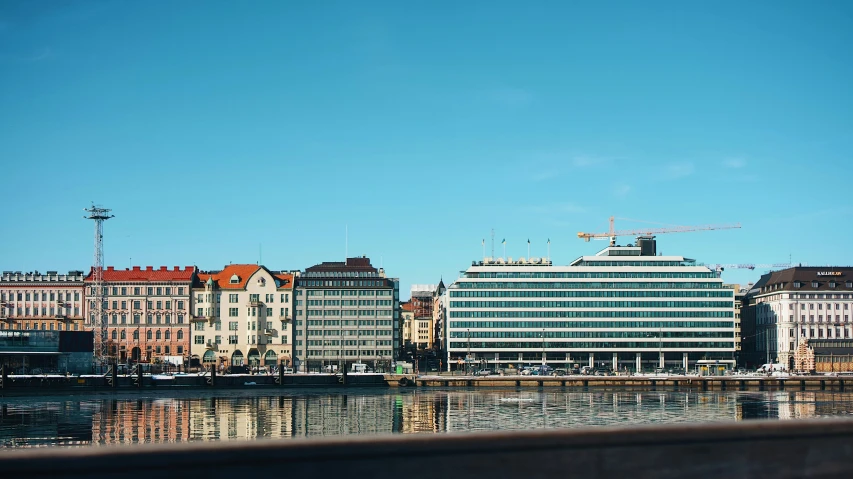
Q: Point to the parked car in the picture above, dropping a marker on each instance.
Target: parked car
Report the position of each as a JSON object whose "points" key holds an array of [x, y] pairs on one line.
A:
{"points": [[484, 372], [559, 372], [602, 372]]}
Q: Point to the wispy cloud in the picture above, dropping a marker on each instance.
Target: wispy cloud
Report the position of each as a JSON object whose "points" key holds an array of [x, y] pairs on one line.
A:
{"points": [[42, 54], [561, 208], [511, 97], [584, 161], [674, 171], [734, 163], [621, 190]]}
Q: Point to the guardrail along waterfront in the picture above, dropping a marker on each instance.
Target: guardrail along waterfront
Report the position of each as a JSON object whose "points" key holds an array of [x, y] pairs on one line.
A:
{"points": [[754, 449], [705, 383]]}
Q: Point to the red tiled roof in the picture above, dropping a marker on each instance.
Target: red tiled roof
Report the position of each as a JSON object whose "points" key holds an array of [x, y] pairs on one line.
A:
{"points": [[407, 306], [223, 278], [136, 273], [286, 280]]}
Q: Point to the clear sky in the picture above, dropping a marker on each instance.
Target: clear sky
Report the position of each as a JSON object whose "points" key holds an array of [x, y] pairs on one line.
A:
{"points": [[212, 128]]}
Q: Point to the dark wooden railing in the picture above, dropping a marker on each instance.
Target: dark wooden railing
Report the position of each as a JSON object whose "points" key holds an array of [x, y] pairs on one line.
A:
{"points": [[751, 449]]}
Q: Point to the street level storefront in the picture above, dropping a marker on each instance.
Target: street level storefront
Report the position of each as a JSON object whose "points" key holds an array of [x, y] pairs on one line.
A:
{"points": [[46, 352]]}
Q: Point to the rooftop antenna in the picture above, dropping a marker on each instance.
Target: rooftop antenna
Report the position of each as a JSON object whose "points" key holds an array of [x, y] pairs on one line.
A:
{"points": [[493, 243], [346, 242], [260, 254], [98, 319]]}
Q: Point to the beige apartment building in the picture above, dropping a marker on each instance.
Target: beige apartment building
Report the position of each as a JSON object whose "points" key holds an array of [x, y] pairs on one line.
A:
{"points": [[36, 301], [242, 317]]}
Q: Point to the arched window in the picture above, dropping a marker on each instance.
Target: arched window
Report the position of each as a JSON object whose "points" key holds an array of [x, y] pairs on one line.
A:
{"points": [[148, 335], [123, 335], [180, 334], [159, 334], [168, 334], [136, 335], [115, 334]]}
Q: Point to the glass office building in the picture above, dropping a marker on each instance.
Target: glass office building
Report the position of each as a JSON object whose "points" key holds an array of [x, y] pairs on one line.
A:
{"points": [[625, 308]]}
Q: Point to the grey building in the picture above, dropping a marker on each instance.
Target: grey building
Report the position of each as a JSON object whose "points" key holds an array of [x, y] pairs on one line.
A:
{"points": [[346, 312]]}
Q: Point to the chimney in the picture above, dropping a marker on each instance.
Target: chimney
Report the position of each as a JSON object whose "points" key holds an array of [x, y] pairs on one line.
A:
{"points": [[163, 268], [110, 268], [176, 268], [189, 268], [149, 268], [136, 268]]}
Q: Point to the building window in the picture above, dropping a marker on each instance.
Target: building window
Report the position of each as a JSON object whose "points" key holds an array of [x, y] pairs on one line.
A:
{"points": [[123, 334], [198, 339], [150, 291], [232, 298], [124, 291], [233, 312], [136, 335], [814, 284], [180, 334], [168, 335], [159, 335], [180, 319], [199, 326]]}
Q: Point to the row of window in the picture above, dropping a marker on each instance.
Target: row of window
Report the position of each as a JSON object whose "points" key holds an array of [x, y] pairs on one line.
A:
{"points": [[590, 334], [579, 285], [820, 318], [137, 305], [587, 275], [591, 314], [348, 312], [363, 353], [34, 296], [137, 290], [45, 312], [348, 322], [149, 335], [149, 319], [348, 332], [44, 326], [350, 302], [591, 304], [342, 283], [811, 306], [233, 339], [591, 345], [589, 324], [592, 294], [348, 342], [345, 292]]}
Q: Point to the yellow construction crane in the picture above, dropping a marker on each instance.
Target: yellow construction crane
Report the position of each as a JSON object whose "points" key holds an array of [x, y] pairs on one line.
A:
{"points": [[612, 234]]}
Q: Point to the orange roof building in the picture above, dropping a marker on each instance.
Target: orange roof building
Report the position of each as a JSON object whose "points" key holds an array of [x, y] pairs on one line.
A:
{"points": [[242, 317]]}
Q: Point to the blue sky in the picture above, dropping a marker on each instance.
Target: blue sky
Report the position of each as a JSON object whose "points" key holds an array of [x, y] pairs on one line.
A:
{"points": [[213, 128]]}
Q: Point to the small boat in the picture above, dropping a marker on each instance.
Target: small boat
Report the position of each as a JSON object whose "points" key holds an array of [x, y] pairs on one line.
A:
{"points": [[162, 377]]}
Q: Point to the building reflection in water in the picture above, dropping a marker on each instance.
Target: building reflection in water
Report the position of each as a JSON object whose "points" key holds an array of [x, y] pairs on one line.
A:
{"points": [[239, 415]]}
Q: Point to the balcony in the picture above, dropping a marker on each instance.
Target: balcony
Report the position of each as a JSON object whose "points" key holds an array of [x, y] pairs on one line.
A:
{"points": [[285, 318], [198, 319], [255, 303], [210, 346], [61, 317], [212, 319], [268, 332]]}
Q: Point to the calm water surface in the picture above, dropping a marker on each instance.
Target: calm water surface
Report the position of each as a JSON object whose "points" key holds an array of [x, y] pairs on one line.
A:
{"points": [[104, 419]]}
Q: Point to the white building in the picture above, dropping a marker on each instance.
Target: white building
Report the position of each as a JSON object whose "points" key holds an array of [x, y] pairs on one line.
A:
{"points": [[624, 308], [242, 316], [786, 306]]}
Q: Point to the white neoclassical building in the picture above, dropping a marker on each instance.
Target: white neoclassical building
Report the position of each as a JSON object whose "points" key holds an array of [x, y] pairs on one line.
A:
{"points": [[242, 317], [785, 307]]}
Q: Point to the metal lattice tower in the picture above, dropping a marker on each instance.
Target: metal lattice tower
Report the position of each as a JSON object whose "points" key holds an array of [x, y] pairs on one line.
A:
{"points": [[97, 317]]}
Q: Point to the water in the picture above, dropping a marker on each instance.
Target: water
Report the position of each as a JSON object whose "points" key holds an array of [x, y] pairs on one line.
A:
{"points": [[105, 419]]}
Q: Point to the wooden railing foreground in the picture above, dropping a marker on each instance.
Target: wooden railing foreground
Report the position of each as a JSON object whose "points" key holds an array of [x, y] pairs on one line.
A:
{"points": [[751, 449]]}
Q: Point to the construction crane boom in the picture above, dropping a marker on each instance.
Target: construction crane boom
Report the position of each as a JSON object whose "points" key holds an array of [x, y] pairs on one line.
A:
{"points": [[613, 233], [721, 267]]}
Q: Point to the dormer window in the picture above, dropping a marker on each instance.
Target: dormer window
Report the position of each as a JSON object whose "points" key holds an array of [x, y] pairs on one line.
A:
{"points": [[849, 284], [797, 284], [814, 284], [832, 284], [262, 282], [234, 279]]}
